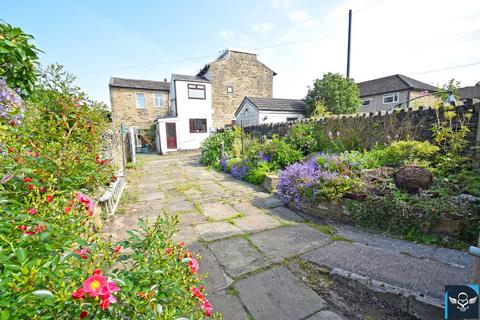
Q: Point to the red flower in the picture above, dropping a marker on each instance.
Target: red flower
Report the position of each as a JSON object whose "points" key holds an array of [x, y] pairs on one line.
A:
{"points": [[97, 272], [27, 180], [67, 209], [193, 265], [10, 150], [207, 308], [168, 251], [42, 190], [39, 229], [182, 244], [30, 187], [32, 211], [196, 293], [106, 302], [29, 233], [90, 213], [117, 248], [78, 294], [22, 227], [93, 285], [83, 253], [49, 198], [83, 314], [71, 202]]}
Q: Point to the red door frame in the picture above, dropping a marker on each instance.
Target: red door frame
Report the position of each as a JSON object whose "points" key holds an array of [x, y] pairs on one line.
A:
{"points": [[171, 140]]}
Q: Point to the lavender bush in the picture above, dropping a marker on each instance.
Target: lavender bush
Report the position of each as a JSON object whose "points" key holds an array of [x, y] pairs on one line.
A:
{"points": [[239, 172], [11, 106]]}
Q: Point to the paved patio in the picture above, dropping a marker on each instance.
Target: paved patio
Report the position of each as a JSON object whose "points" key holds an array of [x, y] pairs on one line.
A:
{"points": [[251, 246]]}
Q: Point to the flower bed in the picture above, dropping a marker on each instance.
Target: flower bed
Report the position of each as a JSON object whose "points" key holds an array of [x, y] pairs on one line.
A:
{"points": [[54, 263], [316, 172]]}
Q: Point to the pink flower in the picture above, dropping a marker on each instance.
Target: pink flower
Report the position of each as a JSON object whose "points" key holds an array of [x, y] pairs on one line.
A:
{"points": [[32, 211], [49, 198], [106, 302], [22, 227], [39, 229], [168, 251], [78, 294], [117, 248], [67, 209], [193, 265], [85, 200], [93, 285], [42, 190], [83, 253], [108, 288], [196, 293], [207, 308]]}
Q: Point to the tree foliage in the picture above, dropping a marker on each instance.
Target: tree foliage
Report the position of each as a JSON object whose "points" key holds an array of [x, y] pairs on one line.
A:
{"points": [[333, 94], [18, 59]]}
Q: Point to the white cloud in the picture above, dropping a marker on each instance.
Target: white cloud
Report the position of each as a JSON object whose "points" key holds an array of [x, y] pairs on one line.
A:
{"points": [[227, 34], [299, 15], [282, 3], [264, 27]]}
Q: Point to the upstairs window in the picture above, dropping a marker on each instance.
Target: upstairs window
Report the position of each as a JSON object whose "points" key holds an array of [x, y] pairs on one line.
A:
{"points": [[140, 100], [229, 89], [365, 103], [198, 125], [158, 100], [390, 97], [196, 91]]}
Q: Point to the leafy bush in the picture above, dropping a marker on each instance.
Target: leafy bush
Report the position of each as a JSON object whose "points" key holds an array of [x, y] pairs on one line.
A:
{"points": [[211, 146], [301, 136], [256, 174], [18, 59], [281, 153], [399, 152], [53, 261]]}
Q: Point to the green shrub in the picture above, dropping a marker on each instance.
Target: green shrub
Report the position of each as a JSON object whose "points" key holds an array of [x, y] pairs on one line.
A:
{"points": [[211, 146], [301, 136], [256, 174], [399, 152], [282, 153]]}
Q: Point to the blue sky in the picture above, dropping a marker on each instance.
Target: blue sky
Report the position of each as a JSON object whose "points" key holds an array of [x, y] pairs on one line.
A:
{"points": [[298, 39]]}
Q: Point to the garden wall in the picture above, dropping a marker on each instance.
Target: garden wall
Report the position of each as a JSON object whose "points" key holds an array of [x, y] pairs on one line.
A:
{"points": [[363, 130]]}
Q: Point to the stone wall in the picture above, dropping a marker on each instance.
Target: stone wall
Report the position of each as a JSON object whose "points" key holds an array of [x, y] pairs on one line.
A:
{"points": [[247, 76], [363, 130], [124, 109]]}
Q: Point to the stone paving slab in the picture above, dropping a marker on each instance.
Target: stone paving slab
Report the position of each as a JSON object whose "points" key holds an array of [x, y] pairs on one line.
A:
{"points": [[180, 206], [278, 294], [267, 202], [445, 255], [149, 196], [237, 256], [217, 230], [187, 235], [218, 211], [191, 218], [217, 279], [228, 305], [257, 222], [285, 214], [247, 208], [326, 315], [421, 275], [286, 242]]}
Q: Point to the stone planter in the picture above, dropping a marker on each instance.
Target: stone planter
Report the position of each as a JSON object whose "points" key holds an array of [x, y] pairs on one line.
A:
{"points": [[270, 183], [327, 209]]}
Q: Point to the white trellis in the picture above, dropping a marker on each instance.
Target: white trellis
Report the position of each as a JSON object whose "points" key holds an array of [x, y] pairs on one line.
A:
{"points": [[111, 198]]}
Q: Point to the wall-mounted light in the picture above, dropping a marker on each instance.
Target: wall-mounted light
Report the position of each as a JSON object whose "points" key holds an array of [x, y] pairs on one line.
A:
{"points": [[265, 118]]}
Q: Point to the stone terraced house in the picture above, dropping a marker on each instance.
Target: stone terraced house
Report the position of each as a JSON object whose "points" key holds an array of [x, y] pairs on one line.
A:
{"points": [[188, 108]]}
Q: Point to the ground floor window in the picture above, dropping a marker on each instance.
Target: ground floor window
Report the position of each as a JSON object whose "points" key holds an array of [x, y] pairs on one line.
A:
{"points": [[198, 125], [391, 97], [292, 119]]}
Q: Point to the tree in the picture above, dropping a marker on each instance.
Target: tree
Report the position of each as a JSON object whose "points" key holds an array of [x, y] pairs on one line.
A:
{"points": [[333, 94], [18, 59]]}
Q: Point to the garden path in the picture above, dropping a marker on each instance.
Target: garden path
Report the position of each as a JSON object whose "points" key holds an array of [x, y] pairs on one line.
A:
{"points": [[265, 261]]}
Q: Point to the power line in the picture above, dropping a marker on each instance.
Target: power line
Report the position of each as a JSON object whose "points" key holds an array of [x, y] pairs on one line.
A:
{"points": [[446, 68]]}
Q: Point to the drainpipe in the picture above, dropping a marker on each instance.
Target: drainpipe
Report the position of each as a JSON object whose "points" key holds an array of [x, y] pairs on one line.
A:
{"points": [[475, 251]]}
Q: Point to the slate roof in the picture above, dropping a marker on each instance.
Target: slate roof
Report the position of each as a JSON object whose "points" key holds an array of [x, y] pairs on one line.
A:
{"points": [[183, 77], [275, 104], [224, 55], [469, 92], [139, 84], [396, 82]]}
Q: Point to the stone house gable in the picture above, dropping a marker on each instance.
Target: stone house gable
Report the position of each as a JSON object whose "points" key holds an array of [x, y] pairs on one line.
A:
{"points": [[235, 75]]}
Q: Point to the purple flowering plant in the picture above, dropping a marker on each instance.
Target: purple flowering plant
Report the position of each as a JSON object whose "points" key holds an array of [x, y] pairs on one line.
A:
{"points": [[11, 106], [239, 171]]}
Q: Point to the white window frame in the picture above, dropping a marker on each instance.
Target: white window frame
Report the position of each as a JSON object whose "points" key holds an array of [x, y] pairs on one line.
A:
{"points": [[158, 95], [393, 95], [229, 89], [144, 100]]}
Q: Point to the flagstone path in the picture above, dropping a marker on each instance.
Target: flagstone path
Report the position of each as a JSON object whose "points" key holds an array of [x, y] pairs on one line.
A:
{"points": [[265, 261]]}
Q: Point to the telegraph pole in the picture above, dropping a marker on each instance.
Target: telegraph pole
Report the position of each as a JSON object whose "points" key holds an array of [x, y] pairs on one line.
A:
{"points": [[349, 41]]}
